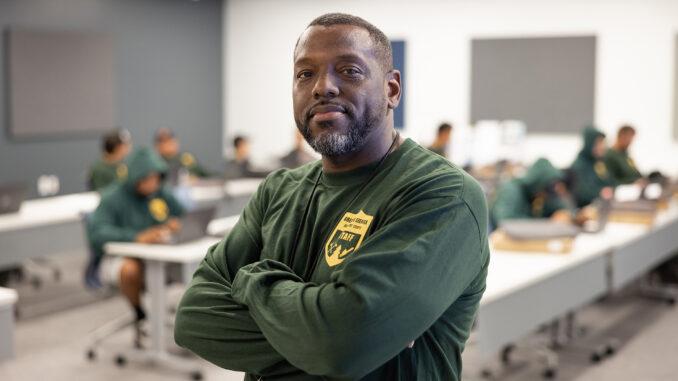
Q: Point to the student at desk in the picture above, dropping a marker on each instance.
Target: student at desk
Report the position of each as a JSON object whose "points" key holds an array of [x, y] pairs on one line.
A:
{"points": [[619, 164], [110, 167], [542, 192], [141, 209], [590, 170], [167, 145]]}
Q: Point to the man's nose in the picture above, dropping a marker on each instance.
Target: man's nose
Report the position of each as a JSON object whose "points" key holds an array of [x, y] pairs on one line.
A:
{"points": [[325, 86]]}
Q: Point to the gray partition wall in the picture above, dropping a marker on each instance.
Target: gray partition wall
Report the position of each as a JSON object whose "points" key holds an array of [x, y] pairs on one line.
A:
{"points": [[167, 71], [549, 83]]}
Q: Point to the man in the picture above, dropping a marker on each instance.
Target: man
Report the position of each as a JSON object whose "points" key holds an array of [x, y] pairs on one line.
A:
{"points": [[619, 164], [142, 210], [167, 145], [110, 168], [239, 165], [368, 264], [541, 193], [589, 168], [298, 156], [439, 145]]}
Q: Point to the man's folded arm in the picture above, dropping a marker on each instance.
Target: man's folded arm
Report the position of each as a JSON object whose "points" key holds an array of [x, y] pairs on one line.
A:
{"points": [[390, 291], [210, 323]]}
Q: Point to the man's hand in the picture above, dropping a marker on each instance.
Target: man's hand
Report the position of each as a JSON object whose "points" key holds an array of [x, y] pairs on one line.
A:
{"points": [[562, 216], [587, 213], [173, 224], [410, 345], [154, 234]]}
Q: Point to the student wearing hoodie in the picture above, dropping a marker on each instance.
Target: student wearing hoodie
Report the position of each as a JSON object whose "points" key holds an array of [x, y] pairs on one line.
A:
{"points": [[141, 209], [366, 265], [589, 168], [541, 193]]}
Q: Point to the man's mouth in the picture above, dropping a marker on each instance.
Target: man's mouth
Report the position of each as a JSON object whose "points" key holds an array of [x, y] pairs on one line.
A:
{"points": [[326, 112]]}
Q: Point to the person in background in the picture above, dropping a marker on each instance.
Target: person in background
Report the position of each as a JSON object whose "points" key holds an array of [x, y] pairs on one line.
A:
{"points": [[298, 156], [239, 165], [620, 166], [140, 210], [590, 170], [439, 145], [541, 193], [168, 147], [110, 168]]}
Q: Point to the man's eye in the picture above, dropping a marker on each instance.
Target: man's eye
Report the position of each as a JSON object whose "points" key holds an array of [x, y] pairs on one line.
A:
{"points": [[304, 74], [351, 71]]}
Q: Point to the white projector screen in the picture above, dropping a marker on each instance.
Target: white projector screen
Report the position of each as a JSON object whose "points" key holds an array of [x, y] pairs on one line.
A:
{"points": [[60, 83]]}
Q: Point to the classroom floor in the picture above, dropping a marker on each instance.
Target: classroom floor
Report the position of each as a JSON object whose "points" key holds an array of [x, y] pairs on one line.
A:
{"points": [[51, 340]]}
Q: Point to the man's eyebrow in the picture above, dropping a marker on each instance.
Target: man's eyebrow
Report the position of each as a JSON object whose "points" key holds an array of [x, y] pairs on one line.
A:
{"points": [[351, 57], [302, 61]]}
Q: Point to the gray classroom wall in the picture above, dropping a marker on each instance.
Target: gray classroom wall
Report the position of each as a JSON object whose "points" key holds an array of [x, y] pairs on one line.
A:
{"points": [[168, 72]]}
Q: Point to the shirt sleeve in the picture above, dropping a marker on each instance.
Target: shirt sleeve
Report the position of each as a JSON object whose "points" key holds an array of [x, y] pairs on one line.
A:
{"points": [[396, 285], [104, 228], [210, 323]]}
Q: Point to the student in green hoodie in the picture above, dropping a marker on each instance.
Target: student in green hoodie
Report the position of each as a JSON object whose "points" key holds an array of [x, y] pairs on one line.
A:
{"points": [[369, 264], [541, 193], [141, 210], [111, 167], [619, 164], [590, 170]]}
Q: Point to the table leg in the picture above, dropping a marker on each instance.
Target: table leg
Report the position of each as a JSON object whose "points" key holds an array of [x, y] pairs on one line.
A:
{"points": [[155, 283]]}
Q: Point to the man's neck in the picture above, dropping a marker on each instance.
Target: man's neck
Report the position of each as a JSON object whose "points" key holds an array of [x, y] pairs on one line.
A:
{"points": [[110, 159], [374, 149], [617, 147]]}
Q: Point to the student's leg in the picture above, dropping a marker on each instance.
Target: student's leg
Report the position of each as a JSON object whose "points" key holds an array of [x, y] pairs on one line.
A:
{"points": [[132, 283]]}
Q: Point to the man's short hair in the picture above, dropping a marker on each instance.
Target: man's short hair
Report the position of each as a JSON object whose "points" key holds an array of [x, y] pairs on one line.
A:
{"points": [[626, 129], [113, 139], [445, 127], [382, 43], [237, 140], [163, 134]]}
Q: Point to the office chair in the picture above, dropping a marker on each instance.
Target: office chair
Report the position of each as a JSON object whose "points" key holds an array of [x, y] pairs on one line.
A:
{"points": [[92, 279]]}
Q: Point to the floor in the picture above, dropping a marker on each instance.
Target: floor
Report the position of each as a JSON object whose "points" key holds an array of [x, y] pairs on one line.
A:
{"points": [[55, 321]]}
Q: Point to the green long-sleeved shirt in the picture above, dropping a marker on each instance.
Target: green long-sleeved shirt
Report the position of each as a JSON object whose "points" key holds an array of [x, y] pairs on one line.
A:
{"points": [[408, 261], [621, 167], [188, 161]]}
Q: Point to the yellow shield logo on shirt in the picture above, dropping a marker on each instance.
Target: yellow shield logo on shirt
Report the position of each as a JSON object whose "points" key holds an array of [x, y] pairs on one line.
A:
{"points": [[346, 237], [159, 209], [601, 169], [187, 160], [121, 171], [631, 163]]}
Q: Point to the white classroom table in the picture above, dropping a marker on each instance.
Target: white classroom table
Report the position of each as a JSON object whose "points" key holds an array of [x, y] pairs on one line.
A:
{"points": [[43, 227], [526, 290], [8, 298], [156, 257]]}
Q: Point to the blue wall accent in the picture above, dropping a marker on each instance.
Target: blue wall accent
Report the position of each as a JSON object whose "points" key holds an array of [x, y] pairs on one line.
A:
{"points": [[398, 47]]}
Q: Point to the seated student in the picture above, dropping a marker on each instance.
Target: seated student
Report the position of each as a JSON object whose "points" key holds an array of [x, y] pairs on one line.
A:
{"points": [[239, 165], [540, 193], [110, 167], [167, 145], [620, 166], [439, 145], [589, 168], [141, 210], [298, 156]]}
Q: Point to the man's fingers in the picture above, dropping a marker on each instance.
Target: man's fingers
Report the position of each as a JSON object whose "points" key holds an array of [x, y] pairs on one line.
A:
{"points": [[410, 345]]}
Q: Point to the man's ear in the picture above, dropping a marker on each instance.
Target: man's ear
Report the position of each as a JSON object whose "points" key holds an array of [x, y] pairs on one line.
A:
{"points": [[393, 89]]}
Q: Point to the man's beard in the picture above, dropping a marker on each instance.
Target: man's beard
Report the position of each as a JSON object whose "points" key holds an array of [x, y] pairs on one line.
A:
{"points": [[339, 143]]}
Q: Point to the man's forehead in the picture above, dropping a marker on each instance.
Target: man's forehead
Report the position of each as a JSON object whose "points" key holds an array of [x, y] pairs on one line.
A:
{"points": [[339, 39]]}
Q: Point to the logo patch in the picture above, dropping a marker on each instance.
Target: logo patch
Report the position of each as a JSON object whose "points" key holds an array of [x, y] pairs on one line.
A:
{"points": [[121, 171], [346, 237], [187, 160], [631, 163], [601, 169], [159, 209]]}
